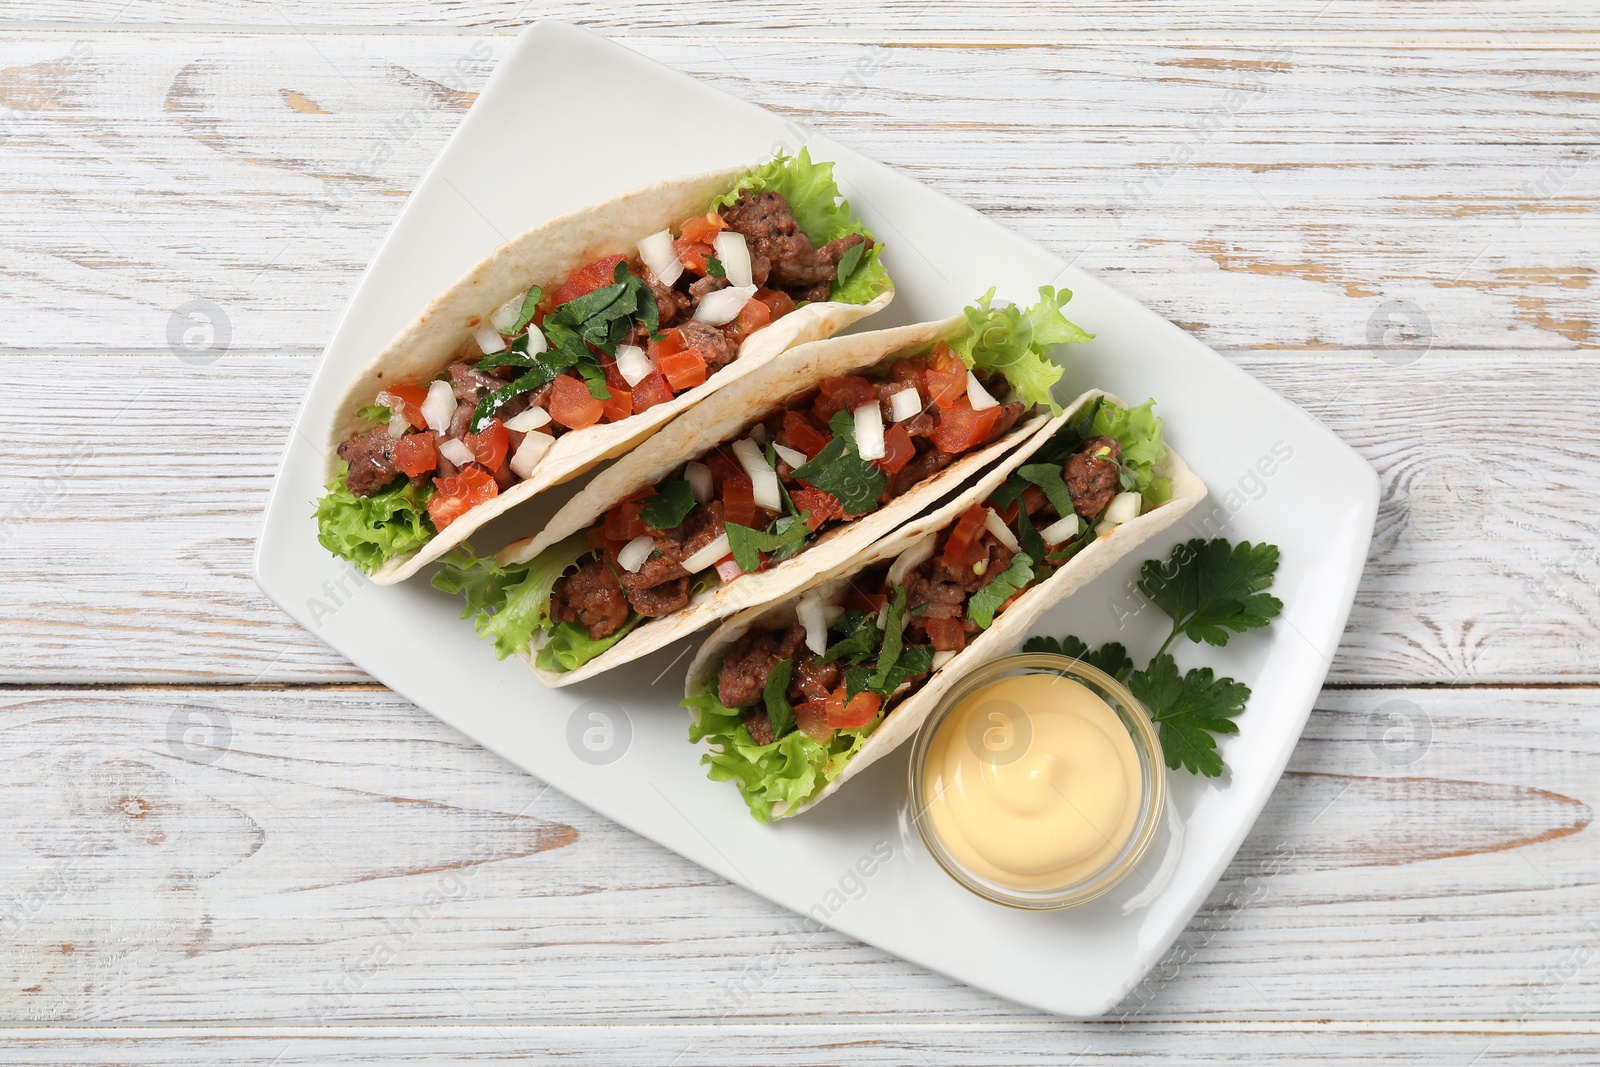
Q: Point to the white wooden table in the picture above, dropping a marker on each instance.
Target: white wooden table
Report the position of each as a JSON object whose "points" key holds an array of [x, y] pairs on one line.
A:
{"points": [[220, 842]]}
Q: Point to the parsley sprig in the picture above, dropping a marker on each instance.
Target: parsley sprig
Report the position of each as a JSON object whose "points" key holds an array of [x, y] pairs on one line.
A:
{"points": [[1211, 590]]}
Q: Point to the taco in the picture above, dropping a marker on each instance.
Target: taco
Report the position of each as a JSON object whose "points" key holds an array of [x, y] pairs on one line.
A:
{"points": [[795, 697], [577, 340], [769, 482]]}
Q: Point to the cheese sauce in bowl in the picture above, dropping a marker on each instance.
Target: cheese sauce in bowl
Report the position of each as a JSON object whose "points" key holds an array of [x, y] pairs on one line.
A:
{"points": [[1037, 782]]}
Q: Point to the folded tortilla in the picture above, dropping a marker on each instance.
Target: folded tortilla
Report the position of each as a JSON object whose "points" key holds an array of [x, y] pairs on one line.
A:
{"points": [[725, 417], [545, 256], [1011, 624]]}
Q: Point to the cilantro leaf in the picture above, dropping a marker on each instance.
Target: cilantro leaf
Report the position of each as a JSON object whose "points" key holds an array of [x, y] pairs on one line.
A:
{"points": [[839, 470], [892, 638], [849, 261], [860, 641], [1187, 711], [669, 506], [1111, 657], [914, 661], [983, 604], [855, 680], [1029, 538], [714, 267], [775, 694], [783, 540], [1050, 478], [530, 305], [1211, 587]]}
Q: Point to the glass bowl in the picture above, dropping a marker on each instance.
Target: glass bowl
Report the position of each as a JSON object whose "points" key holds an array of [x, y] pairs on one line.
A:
{"points": [[1153, 781]]}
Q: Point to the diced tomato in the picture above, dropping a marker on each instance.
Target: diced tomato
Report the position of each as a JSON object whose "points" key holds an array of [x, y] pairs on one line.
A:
{"points": [[651, 391], [752, 317], [1033, 499], [738, 499], [800, 432], [898, 449], [964, 546], [571, 403], [778, 302], [489, 444], [623, 523], [842, 393], [684, 369], [811, 719], [454, 497], [817, 505], [693, 254], [411, 398], [960, 428], [723, 466], [671, 343], [909, 372], [946, 635], [945, 377], [614, 378], [702, 228], [728, 569], [586, 279], [618, 407], [856, 600], [595, 537], [416, 453], [861, 709]]}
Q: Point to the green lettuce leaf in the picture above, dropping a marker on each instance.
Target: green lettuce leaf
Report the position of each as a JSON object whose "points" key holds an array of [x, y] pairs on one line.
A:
{"points": [[1138, 432], [823, 216], [1016, 342], [510, 605], [570, 645], [371, 530]]}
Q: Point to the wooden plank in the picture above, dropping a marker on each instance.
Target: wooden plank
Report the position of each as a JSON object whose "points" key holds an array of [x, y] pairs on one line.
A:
{"points": [[330, 857], [1485, 566], [1262, 197]]}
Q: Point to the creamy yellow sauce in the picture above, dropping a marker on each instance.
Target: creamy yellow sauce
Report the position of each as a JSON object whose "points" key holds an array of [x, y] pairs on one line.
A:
{"points": [[1033, 783]]}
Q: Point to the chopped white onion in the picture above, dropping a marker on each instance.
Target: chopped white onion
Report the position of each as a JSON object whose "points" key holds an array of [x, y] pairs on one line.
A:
{"points": [[1062, 530], [536, 341], [398, 423], [1123, 507], [883, 616], [906, 404], [632, 364], [439, 406], [978, 395], [763, 479], [633, 554], [506, 315], [724, 305], [1102, 528], [698, 476], [708, 555], [456, 452], [869, 431], [942, 657], [758, 434], [530, 452], [531, 419], [809, 613], [912, 558], [792, 456], [489, 339], [735, 256], [658, 254], [1002, 533]]}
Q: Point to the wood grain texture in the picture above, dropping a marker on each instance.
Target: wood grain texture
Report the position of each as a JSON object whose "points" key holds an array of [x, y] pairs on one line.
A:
{"points": [[333, 857], [1263, 197], [1485, 567]]}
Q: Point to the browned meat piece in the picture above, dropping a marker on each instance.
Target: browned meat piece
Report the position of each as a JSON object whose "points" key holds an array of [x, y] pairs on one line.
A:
{"points": [[661, 586], [1092, 477], [928, 461], [714, 347], [759, 726], [371, 459], [780, 251], [1009, 414], [661, 599], [592, 598], [813, 680], [701, 288], [670, 303], [461, 421], [750, 659], [469, 384]]}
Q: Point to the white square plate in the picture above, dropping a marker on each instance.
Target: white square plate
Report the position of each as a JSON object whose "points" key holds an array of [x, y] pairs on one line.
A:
{"points": [[855, 863]]}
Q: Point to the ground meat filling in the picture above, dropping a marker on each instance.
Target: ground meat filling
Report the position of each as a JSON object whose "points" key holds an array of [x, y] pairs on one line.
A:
{"points": [[743, 675], [591, 597], [371, 459], [1092, 479], [780, 254], [715, 347]]}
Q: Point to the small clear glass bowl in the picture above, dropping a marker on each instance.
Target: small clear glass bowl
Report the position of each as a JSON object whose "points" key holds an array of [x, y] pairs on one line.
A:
{"points": [[1153, 780]]}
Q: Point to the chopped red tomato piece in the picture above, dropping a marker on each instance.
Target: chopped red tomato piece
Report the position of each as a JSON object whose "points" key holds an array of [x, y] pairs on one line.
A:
{"points": [[898, 449], [723, 466], [586, 279], [861, 709], [946, 635], [817, 505], [752, 317], [800, 432], [963, 547], [738, 499], [693, 254], [702, 228], [960, 428], [945, 377], [684, 369], [728, 569], [595, 537], [614, 378], [489, 444], [618, 407], [416, 453], [623, 523], [843, 393], [651, 391], [778, 302], [454, 497], [811, 719], [856, 600], [411, 398], [571, 403]]}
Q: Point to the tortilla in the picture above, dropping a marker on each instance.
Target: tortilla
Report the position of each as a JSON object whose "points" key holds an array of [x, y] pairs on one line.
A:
{"points": [[724, 417], [545, 256], [1010, 626]]}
